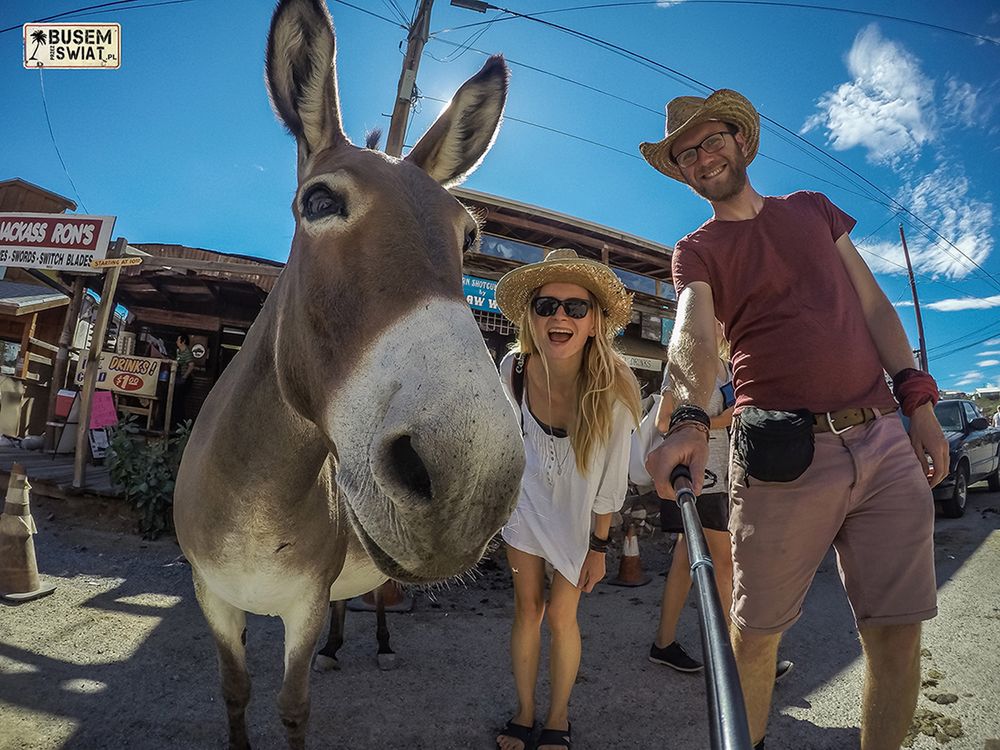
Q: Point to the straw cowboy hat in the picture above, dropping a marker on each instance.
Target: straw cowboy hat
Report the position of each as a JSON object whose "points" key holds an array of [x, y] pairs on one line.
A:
{"points": [[686, 112], [515, 289]]}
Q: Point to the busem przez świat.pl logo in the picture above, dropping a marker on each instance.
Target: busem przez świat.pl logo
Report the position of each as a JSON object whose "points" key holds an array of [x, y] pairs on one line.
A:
{"points": [[73, 45]]}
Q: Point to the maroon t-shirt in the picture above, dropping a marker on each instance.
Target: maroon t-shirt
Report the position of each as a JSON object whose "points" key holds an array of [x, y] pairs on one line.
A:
{"points": [[792, 317]]}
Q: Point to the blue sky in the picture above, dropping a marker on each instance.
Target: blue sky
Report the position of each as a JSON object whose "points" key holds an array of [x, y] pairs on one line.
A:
{"points": [[181, 144]]}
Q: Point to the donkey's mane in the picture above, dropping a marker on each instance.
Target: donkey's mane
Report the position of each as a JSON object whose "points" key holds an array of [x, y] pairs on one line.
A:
{"points": [[372, 137]]}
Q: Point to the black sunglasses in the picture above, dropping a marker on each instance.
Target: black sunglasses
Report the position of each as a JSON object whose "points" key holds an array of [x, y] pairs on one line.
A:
{"points": [[546, 307]]}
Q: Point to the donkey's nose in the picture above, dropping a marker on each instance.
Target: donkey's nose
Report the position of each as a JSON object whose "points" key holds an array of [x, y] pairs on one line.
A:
{"points": [[408, 469]]}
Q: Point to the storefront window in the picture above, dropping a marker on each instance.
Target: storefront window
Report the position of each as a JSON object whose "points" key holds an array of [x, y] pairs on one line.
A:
{"points": [[502, 247], [636, 282]]}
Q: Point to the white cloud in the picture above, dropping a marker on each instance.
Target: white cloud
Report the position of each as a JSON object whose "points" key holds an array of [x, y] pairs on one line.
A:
{"points": [[989, 353], [942, 200], [903, 303], [887, 107], [969, 378], [964, 303], [960, 101], [668, 3], [992, 342], [988, 363]]}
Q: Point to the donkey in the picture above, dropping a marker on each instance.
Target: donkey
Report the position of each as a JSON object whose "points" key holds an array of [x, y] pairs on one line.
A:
{"points": [[362, 433]]}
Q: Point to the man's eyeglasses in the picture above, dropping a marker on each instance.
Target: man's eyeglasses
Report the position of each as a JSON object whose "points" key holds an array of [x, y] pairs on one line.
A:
{"points": [[546, 307], [710, 145]]}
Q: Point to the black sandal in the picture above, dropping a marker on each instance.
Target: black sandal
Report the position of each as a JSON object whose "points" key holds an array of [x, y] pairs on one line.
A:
{"points": [[518, 732], [557, 737]]}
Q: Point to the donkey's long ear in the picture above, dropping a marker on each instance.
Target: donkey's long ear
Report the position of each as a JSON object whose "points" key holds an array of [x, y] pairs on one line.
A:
{"points": [[302, 74], [465, 131]]}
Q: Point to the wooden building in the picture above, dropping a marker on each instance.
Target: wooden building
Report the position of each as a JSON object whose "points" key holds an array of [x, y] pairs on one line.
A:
{"points": [[32, 311]]}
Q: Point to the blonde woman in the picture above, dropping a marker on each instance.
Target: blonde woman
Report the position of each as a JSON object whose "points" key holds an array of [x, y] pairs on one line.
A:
{"points": [[578, 403]]}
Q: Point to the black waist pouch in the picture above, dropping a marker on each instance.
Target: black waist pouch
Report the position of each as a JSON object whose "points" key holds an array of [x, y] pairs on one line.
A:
{"points": [[774, 446]]}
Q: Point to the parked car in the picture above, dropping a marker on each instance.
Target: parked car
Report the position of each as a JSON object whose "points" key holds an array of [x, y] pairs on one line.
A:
{"points": [[975, 453]]}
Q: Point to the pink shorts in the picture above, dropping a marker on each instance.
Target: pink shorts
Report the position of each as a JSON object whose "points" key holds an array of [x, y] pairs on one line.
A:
{"points": [[866, 495]]}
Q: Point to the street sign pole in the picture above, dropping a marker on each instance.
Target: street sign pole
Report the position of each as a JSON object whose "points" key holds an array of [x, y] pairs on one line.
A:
{"points": [[100, 327]]}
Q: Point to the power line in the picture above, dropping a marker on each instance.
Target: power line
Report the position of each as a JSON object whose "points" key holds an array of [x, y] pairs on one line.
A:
{"points": [[867, 194], [45, 108], [372, 14], [393, 8], [67, 13], [554, 130], [88, 14], [765, 3], [557, 76], [697, 84]]}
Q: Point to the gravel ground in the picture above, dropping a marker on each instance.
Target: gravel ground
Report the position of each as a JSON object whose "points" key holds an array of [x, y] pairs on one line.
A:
{"points": [[119, 657]]}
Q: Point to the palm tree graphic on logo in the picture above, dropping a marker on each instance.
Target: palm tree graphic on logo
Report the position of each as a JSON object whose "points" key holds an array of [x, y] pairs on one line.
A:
{"points": [[38, 37]]}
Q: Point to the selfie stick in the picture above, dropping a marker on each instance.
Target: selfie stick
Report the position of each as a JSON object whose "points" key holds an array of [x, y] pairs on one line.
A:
{"points": [[727, 713]]}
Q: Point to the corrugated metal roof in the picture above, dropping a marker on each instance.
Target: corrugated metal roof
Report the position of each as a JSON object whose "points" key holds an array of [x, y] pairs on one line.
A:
{"points": [[21, 299]]}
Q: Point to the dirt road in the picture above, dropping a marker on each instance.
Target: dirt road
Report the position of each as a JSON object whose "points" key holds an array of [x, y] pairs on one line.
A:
{"points": [[119, 657]]}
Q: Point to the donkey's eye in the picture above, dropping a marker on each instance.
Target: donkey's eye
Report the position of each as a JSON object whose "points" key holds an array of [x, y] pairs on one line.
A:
{"points": [[320, 202], [471, 240]]}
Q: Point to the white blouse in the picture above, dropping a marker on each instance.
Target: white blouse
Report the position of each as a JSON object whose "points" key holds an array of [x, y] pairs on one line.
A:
{"points": [[554, 511]]}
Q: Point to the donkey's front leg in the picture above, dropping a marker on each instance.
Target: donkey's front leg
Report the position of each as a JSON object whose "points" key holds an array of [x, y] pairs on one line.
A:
{"points": [[228, 626], [303, 624]]}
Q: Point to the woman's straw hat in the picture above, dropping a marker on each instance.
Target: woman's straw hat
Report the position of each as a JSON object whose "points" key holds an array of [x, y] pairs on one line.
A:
{"points": [[515, 289], [685, 112]]}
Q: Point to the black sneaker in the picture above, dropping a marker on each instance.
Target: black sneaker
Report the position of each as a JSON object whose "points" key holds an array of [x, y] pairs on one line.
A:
{"points": [[675, 657], [783, 667]]}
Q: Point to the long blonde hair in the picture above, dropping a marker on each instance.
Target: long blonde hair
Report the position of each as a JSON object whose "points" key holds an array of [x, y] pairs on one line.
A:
{"points": [[603, 380]]}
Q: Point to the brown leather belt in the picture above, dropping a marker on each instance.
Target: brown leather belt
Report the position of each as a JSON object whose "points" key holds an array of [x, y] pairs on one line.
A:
{"points": [[839, 421]]}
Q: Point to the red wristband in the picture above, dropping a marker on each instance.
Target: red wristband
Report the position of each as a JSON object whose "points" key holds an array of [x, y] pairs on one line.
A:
{"points": [[913, 388]]}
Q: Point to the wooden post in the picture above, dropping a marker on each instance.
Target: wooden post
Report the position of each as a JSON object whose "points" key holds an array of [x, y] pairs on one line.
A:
{"points": [[106, 308], [169, 406], [27, 332], [59, 367]]}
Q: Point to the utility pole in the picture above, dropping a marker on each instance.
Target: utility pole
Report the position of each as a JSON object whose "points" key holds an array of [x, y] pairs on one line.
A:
{"points": [[415, 40], [916, 303]]}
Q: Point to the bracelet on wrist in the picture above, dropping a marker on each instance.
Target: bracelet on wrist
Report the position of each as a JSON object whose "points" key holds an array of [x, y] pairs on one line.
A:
{"points": [[599, 545], [689, 413], [689, 425], [914, 388]]}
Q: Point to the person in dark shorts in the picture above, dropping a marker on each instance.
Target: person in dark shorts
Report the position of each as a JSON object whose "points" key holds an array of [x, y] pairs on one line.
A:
{"points": [[713, 509]]}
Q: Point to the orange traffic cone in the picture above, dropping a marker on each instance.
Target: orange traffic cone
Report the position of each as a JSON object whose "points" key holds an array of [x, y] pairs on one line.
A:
{"points": [[630, 570], [19, 580]]}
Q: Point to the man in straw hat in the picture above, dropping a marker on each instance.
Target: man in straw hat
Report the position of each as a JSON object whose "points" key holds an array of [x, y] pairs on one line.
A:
{"points": [[820, 456]]}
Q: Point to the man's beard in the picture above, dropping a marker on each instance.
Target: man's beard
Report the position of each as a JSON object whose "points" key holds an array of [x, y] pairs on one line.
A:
{"points": [[730, 187]]}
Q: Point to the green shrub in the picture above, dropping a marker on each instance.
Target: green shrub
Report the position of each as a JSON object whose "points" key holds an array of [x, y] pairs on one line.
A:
{"points": [[145, 469]]}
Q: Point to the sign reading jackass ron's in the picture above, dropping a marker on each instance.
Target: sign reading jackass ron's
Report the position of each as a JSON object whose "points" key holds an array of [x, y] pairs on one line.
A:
{"points": [[58, 242], [73, 45], [121, 373]]}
